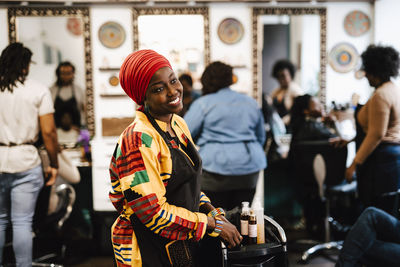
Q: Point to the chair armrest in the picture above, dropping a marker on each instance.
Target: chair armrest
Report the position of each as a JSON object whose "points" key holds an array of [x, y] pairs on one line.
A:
{"points": [[279, 228], [70, 191]]}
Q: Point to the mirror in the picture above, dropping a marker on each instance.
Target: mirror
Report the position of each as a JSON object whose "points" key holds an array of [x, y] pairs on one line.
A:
{"points": [[55, 35], [180, 34], [296, 34]]}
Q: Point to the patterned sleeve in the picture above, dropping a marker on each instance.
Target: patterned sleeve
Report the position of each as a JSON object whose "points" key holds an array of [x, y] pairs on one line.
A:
{"points": [[204, 199], [136, 164]]}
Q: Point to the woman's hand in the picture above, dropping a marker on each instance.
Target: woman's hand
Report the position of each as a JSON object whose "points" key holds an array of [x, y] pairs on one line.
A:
{"points": [[229, 234], [330, 118], [350, 172], [50, 175], [338, 142]]}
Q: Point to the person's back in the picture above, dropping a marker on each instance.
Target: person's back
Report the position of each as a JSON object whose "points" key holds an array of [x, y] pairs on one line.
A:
{"points": [[231, 122], [229, 129], [25, 108], [18, 117]]}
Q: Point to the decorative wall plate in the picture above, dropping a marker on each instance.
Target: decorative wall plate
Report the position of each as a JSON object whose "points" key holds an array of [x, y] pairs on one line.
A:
{"points": [[113, 80], [74, 26], [357, 23], [111, 34], [230, 31], [343, 57]]}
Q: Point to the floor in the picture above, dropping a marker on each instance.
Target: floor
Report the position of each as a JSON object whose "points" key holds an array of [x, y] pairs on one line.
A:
{"points": [[295, 248], [95, 252], [320, 261]]}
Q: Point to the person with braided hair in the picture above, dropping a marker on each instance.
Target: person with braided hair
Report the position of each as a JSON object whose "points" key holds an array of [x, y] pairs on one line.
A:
{"points": [[25, 108]]}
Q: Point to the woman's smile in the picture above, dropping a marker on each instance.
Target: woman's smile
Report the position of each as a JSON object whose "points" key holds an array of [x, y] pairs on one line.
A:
{"points": [[175, 102]]}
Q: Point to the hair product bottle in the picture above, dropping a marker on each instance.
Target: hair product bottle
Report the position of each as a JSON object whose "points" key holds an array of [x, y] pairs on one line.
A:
{"points": [[244, 222], [252, 228]]}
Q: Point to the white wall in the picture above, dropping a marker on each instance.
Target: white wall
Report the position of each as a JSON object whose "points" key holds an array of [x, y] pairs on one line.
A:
{"points": [[310, 60], [114, 106], [386, 28], [238, 54], [340, 86]]}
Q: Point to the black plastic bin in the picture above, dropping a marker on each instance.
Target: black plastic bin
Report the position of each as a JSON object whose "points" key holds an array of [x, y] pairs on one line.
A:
{"points": [[272, 254]]}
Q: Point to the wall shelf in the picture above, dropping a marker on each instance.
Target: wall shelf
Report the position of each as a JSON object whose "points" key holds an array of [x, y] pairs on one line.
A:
{"points": [[108, 69], [113, 95]]}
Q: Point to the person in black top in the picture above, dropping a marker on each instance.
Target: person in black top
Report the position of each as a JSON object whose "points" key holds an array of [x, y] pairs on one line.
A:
{"points": [[66, 94], [309, 122], [282, 97]]}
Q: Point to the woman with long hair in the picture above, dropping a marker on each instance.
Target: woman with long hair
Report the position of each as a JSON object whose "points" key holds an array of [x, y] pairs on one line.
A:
{"points": [[25, 108]]}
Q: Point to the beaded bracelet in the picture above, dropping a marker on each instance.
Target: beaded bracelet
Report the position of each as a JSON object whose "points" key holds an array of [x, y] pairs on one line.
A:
{"points": [[218, 228], [216, 212]]}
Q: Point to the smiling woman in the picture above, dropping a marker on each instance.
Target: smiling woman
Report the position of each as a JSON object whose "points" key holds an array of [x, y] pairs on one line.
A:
{"points": [[155, 171], [164, 96]]}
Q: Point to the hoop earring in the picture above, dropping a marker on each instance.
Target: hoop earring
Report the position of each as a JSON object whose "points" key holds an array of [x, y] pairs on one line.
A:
{"points": [[146, 108]]}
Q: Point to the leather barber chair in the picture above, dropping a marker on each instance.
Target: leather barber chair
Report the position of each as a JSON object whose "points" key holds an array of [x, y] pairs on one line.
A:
{"points": [[319, 168]]}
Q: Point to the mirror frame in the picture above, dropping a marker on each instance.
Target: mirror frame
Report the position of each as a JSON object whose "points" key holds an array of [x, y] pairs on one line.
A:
{"points": [[174, 11], [258, 11], [82, 12]]}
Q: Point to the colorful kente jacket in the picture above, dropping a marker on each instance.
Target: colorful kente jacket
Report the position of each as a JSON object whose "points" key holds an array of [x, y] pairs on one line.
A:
{"points": [[140, 169]]}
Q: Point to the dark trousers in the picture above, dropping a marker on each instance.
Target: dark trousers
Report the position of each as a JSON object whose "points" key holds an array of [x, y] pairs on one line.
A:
{"points": [[380, 174], [229, 191], [230, 199], [373, 240]]}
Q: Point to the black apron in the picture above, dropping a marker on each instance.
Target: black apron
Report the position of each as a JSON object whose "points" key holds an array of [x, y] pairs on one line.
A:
{"points": [[182, 190], [280, 107], [70, 105]]}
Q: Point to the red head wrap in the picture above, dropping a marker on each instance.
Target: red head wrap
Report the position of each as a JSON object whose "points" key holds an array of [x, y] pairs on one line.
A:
{"points": [[137, 70]]}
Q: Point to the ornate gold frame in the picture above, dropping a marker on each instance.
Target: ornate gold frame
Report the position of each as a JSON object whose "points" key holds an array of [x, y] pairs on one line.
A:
{"points": [[174, 11], [82, 12], [321, 11]]}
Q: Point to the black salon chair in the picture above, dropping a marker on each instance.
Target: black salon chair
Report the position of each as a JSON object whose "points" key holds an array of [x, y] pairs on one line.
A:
{"points": [[272, 253], [48, 240], [319, 169]]}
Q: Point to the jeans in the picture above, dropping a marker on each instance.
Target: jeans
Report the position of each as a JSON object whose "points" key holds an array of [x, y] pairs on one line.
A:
{"points": [[374, 238], [380, 174], [18, 195]]}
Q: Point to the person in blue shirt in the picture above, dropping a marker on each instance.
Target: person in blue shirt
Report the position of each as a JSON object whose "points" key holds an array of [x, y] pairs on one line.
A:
{"points": [[229, 129]]}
